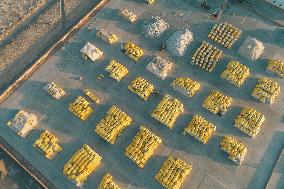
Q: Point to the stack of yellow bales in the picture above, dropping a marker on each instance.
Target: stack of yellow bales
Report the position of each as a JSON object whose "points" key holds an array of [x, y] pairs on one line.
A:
{"points": [[206, 56], [48, 143], [186, 85], [116, 70], [133, 51], [168, 110], [173, 173], [249, 121], [217, 102], [92, 96], [143, 146], [129, 16], [235, 148], [150, 1], [107, 183], [107, 36], [81, 108], [225, 34], [276, 67], [54, 90], [200, 128], [235, 73], [141, 87], [110, 127], [266, 90], [82, 164]]}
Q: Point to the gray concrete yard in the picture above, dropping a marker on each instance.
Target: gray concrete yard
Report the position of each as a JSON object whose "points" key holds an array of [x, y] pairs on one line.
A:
{"points": [[211, 167]]}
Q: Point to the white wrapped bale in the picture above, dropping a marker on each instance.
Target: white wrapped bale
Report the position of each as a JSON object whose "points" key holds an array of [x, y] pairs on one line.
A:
{"points": [[179, 41], [251, 48], [155, 27]]}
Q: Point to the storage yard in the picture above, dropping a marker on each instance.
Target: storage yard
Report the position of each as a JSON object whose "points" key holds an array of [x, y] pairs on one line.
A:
{"points": [[156, 96]]}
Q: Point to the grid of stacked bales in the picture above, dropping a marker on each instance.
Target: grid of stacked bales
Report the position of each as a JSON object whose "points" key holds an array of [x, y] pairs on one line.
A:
{"points": [[186, 86], [249, 121], [82, 164], [141, 87], [200, 128], [142, 146], [225, 34], [91, 95], [168, 110], [111, 127], [108, 183], [133, 51], [235, 148], [173, 173], [276, 67], [217, 102], [107, 36], [128, 15], [116, 70], [48, 143], [54, 90], [266, 90], [160, 66], [236, 73], [23, 122], [81, 108], [90, 51], [206, 56]]}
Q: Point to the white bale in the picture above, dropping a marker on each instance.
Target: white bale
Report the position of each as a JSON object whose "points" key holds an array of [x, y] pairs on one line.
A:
{"points": [[179, 41], [155, 27], [251, 48]]}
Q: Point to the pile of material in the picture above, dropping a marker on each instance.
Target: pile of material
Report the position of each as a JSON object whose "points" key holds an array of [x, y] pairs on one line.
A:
{"points": [[48, 143], [110, 127], [155, 27], [82, 164], [92, 96], [116, 70], [168, 110], [186, 85], [133, 51], [54, 90], [236, 149], [160, 66], [129, 16], [179, 41], [173, 173], [225, 34], [142, 146], [266, 90], [81, 108], [251, 48], [107, 183], [91, 51], [23, 123], [249, 121], [106, 36], [206, 56], [236, 73], [141, 87], [217, 102], [276, 67], [200, 128]]}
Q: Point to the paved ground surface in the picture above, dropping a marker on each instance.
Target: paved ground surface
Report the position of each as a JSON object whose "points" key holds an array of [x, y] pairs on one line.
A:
{"points": [[211, 168], [17, 178], [276, 180]]}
